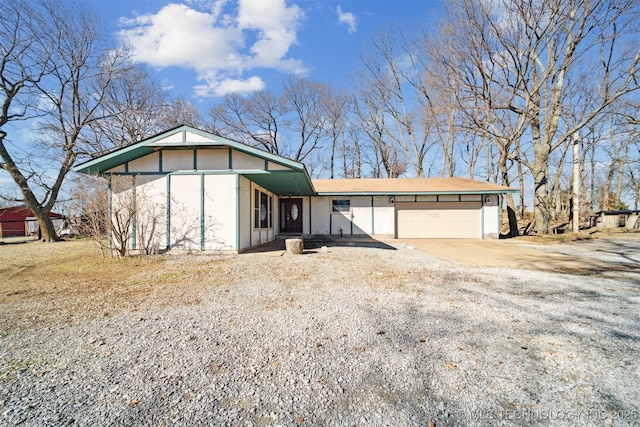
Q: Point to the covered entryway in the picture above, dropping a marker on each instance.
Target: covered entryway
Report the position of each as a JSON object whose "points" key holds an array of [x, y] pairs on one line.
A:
{"points": [[291, 215], [439, 220]]}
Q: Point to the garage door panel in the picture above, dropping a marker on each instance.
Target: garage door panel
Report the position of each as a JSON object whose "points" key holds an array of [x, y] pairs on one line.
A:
{"points": [[439, 220]]}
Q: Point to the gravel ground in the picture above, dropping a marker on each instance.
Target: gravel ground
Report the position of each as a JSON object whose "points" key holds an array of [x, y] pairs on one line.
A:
{"points": [[349, 337]]}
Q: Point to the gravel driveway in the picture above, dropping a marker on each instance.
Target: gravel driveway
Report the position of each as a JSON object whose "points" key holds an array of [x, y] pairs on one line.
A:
{"points": [[352, 336]]}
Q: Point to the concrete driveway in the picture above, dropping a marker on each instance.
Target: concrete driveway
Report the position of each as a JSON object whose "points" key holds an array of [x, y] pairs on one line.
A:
{"points": [[578, 257]]}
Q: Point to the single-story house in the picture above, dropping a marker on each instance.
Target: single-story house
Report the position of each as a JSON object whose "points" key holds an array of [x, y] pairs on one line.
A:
{"points": [[18, 221], [625, 218], [200, 191]]}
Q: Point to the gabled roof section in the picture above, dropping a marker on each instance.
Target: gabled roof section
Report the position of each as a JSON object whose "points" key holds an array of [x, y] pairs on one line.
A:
{"points": [[181, 136], [393, 186], [22, 211]]}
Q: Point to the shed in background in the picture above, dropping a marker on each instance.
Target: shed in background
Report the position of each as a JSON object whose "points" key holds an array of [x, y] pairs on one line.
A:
{"points": [[18, 221], [618, 219]]}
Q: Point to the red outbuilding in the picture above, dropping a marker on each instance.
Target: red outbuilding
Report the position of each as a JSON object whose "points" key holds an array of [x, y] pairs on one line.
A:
{"points": [[19, 221]]}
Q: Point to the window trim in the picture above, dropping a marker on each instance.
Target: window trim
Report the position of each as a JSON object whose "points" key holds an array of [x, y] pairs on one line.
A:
{"points": [[343, 205], [261, 198]]}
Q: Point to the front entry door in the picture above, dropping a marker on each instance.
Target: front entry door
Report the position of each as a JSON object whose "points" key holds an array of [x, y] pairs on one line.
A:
{"points": [[291, 215]]}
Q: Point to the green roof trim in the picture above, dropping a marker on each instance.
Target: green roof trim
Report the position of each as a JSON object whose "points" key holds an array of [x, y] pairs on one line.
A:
{"points": [[281, 182], [411, 193], [294, 180]]}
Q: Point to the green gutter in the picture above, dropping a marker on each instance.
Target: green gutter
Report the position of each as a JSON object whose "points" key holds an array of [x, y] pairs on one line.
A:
{"points": [[134, 224], [412, 193], [498, 216], [310, 224], [238, 214], [202, 212], [482, 219], [109, 214], [168, 210], [373, 228]]}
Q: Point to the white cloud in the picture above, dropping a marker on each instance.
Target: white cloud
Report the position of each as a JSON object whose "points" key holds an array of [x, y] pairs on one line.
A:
{"points": [[347, 18], [216, 45], [223, 87]]}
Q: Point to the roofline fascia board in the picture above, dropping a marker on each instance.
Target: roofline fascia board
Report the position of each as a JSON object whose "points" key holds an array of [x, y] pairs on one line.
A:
{"points": [[86, 167], [411, 193], [145, 142], [222, 141], [217, 141]]}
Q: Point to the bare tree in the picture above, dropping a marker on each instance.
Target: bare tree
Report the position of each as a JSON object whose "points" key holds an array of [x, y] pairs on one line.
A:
{"points": [[395, 69], [53, 52], [465, 67], [527, 55], [25, 61], [180, 112], [336, 109], [369, 109], [304, 99], [129, 110], [256, 120], [115, 212]]}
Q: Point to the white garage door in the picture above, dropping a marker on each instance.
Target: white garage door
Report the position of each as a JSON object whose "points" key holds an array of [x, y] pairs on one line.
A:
{"points": [[439, 220]]}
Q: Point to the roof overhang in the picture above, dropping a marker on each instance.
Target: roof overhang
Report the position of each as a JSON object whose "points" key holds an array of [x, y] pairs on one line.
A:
{"points": [[412, 193], [294, 180], [407, 187], [283, 183]]}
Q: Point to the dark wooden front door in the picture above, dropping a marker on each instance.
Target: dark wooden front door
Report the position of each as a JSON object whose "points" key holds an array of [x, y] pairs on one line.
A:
{"points": [[291, 215]]}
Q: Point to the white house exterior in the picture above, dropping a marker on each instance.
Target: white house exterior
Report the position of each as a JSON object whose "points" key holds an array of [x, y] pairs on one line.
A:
{"points": [[197, 191]]}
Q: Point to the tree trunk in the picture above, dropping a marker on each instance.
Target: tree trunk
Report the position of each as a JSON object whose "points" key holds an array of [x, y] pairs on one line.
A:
{"points": [[521, 187], [592, 177], [511, 210], [541, 213], [48, 230], [575, 196], [621, 164]]}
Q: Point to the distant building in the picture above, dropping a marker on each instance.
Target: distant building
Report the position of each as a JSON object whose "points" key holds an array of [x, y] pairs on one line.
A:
{"points": [[618, 219], [19, 221]]}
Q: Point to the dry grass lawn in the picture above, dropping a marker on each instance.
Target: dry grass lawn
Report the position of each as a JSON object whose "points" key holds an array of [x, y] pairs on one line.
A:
{"points": [[49, 284], [59, 282]]}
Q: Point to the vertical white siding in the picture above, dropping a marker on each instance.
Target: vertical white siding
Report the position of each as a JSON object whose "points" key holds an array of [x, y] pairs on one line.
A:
{"points": [[220, 204], [245, 213], [213, 159], [385, 217], [149, 163], [150, 213], [361, 215], [491, 212], [320, 215], [185, 212], [194, 137], [177, 160], [246, 161], [378, 221]]}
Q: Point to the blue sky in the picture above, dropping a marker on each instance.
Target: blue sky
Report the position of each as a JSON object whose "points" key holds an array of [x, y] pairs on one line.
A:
{"points": [[204, 49]]}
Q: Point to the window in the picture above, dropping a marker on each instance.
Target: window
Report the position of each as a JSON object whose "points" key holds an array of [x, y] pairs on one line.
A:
{"points": [[341, 205], [262, 209]]}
